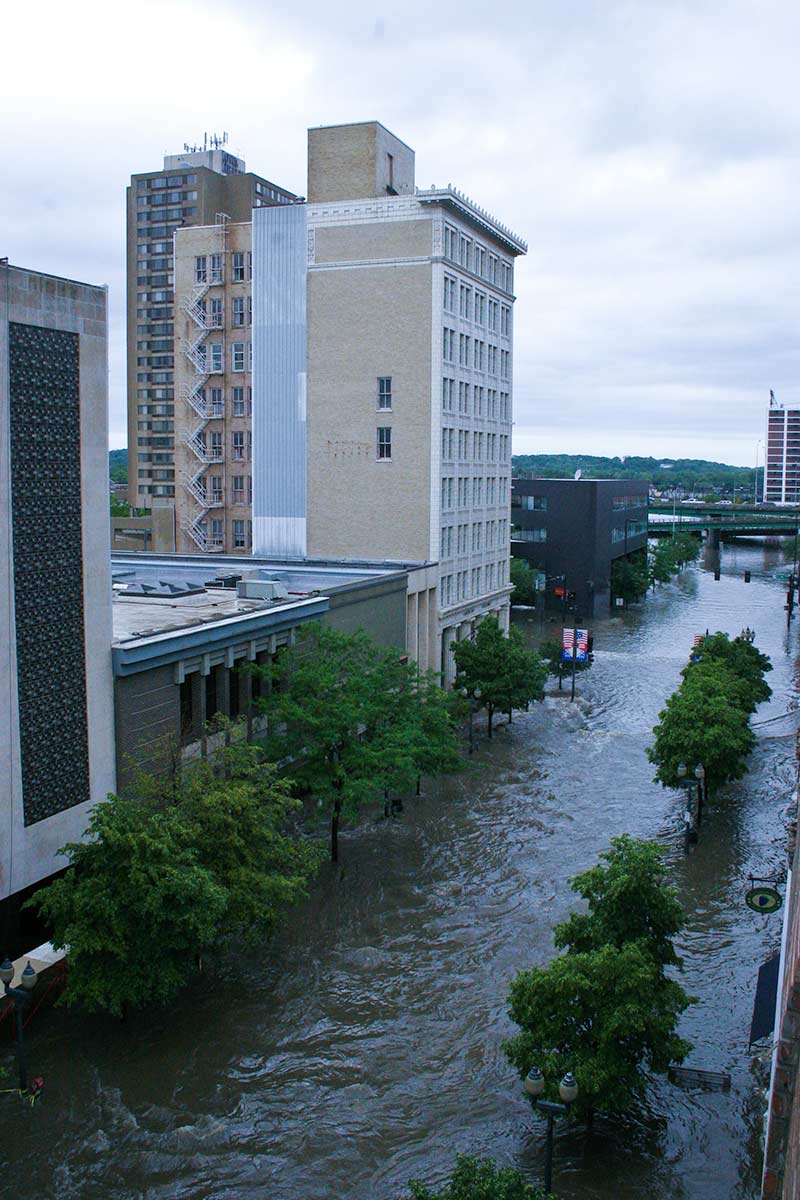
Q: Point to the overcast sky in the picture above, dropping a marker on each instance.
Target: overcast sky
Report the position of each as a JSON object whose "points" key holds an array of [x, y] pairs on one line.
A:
{"points": [[647, 152]]}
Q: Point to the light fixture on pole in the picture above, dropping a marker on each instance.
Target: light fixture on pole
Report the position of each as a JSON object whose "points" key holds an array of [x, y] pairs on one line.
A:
{"points": [[568, 1091], [473, 697], [20, 998]]}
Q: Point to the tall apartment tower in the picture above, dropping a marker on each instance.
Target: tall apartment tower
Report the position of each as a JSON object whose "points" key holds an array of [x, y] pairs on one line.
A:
{"points": [[782, 469], [57, 732], [382, 379], [193, 188]]}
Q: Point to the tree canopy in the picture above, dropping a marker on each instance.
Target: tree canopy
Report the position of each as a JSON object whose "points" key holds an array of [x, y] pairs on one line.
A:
{"points": [[707, 720], [351, 720], [606, 1009], [479, 1179], [523, 578], [498, 669], [169, 871]]}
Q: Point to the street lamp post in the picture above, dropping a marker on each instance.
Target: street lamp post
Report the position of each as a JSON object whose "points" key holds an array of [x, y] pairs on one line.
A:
{"points": [[21, 998], [694, 785], [473, 697], [567, 1090]]}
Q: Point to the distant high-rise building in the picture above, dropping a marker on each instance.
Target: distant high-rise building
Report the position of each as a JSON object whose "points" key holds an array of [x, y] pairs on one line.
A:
{"points": [[782, 461], [193, 188], [57, 731]]}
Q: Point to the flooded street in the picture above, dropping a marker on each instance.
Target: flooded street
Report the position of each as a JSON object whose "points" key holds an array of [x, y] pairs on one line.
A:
{"points": [[363, 1048]]}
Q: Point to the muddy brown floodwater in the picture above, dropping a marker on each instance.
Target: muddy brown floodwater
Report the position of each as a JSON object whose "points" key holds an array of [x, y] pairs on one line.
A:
{"points": [[362, 1048]]}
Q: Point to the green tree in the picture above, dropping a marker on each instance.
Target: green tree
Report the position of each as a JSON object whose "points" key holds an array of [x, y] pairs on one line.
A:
{"points": [[119, 508], [605, 1009], [184, 860], [608, 1015], [628, 900], [136, 908], [506, 673], [705, 721], [351, 720], [550, 652], [523, 578], [479, 1179], [629, 576], [741, 657]]}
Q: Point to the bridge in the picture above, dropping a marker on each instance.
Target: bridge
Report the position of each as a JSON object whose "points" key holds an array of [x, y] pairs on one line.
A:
{"points": [[743, 520]]}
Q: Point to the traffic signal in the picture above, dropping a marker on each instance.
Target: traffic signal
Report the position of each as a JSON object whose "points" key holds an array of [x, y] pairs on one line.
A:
{"points": [[747, 576]]}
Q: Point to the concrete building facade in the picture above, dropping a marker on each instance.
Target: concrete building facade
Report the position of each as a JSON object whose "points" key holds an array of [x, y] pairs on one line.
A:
{"points": [[382, 379], [570, 531], [57, 737], [192, 188]]}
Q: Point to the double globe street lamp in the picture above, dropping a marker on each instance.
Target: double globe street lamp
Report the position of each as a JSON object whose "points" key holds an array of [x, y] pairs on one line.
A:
{"points": [[20, 998], [568, 1091], [473, 697], [693, 814]]}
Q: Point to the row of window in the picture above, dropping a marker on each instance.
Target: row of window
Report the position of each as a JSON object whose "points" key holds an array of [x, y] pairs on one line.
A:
{"points": [[472, 256], [242, 532], [211, 357], [531, 503], [164, 490], [241, 401], [210, 268], [214, 311], [480, 535], [211, 445], [241, 491], [466, 446], [529, 535], [476, 306], [619, 503], [164, 197], [164, 181], [456, 491], [628, 530], [481, 401], [463, 585], [475, 353], [163, 214]]}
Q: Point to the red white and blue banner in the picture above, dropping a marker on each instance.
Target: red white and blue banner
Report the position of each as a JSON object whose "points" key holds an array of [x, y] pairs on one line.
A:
{"points": [[574, 641]]}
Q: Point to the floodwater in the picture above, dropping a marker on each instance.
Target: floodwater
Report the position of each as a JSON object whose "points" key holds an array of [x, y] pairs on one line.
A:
{"points": [[362, 1048]]}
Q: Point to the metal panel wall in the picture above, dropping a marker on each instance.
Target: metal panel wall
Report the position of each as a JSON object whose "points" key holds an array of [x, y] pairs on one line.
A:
{"points": [[279, 380]]}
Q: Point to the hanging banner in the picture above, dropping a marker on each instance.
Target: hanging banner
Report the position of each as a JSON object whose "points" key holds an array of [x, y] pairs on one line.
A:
{"points": [[574, 641]]}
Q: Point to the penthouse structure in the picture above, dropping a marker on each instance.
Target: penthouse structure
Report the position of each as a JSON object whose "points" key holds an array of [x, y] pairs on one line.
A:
{"points": [[192, 188]]}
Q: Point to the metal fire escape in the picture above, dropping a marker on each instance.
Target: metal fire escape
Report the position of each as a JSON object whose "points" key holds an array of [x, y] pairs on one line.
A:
{"points": [[194, 395]]}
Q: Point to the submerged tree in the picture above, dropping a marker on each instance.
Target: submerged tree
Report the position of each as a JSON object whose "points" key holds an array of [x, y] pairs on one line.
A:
{"points": [[498, 669], [351, 720], [605, 1009], [479, 1179]]}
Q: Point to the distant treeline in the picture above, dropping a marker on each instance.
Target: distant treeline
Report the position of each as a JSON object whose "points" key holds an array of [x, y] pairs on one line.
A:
{"points": [[118, 465], [691, 474]]}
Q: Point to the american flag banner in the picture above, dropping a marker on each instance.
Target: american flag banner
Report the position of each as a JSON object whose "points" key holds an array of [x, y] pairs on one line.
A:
{"points": [[698, 637], [577, 641]]}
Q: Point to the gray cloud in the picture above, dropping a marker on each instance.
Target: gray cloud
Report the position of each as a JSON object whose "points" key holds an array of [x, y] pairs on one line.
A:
{"points": [[646, 151]]}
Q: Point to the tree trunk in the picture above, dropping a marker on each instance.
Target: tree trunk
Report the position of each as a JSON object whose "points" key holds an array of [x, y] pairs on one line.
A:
{"points": [[337, 808], [490, 711]]}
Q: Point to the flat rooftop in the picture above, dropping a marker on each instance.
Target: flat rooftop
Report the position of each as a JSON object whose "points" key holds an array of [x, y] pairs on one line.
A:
{"points": [[161, 612]]}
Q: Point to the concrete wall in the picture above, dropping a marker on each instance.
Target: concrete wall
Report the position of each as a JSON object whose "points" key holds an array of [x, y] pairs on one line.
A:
{"points": [[154, 533], [28, 851]]}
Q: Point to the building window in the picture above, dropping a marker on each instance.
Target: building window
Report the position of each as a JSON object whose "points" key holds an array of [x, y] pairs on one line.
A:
{"points": [[216, 363], [217, 535], [237, 266], [237, 445], [449, 294], [200, 271], [216, 314], [384, 441], [238, 535], [237, 399], [217, 402], [237, 356], [384, 392], [448, 394], [216, 269], [237, 310], [237, 485], [448, 344]]}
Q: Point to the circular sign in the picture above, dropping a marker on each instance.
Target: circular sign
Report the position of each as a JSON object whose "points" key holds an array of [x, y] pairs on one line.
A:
{"points": [[763, 899]]}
